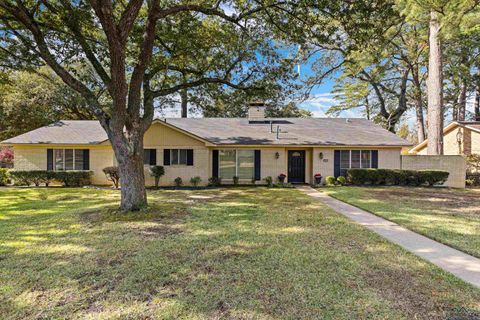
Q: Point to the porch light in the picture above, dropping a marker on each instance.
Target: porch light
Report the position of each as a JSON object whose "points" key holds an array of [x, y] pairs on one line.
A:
{"points": [[320, 155], [277, 155]]}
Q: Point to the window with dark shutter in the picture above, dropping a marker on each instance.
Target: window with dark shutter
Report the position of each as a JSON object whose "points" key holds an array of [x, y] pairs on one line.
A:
{"points": [[189, 157], [257, 165], [215, 163], [150, 157], [166, 157], [50, 159]]}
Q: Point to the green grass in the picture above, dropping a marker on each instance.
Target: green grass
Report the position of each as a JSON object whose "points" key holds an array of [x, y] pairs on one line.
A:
{"points": [[242, 253], [450, 216]]}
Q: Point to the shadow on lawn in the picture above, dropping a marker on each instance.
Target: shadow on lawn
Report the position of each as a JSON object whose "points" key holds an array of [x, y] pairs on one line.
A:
{"points": [[238, 254]]}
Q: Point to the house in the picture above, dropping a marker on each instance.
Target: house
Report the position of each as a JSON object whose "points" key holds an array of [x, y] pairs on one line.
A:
{"points": [[459, 138], [250, 148]]}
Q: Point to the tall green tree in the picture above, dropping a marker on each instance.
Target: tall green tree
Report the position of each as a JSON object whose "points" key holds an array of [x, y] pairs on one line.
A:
{"points": [[29, 100], [138, 52]]}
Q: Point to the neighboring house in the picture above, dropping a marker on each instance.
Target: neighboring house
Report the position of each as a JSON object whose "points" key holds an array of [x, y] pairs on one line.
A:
{"points": [[250, 148], [459, 138]]}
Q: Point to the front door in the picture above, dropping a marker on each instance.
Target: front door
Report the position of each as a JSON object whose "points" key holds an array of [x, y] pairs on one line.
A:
{"points": [[296, 166]]}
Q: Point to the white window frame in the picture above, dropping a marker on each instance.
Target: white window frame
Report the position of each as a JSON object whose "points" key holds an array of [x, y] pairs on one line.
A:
{"points": [[236, 162], [63, 157], [361, 163], [178, 154]]}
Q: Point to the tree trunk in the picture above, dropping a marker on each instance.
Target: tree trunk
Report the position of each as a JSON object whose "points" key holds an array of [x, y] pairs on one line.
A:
{"points": [[184, 102], [420, 123], [129, 156], [435, 88], [462, 101], [477, 101]]}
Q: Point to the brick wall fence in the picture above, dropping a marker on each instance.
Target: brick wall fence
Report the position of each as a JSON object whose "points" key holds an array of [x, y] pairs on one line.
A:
{"points": [[455, 165]]}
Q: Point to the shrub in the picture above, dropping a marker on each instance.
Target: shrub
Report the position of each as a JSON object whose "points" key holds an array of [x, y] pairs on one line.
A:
{"points": [[214, 181], [433, 177], [3, 177], [73, 178], [235, 180], [21, 178], [473, 179], [113, 175], [195, 181], [341, 180], [283, 185], [178, 182], [157, 172], [397, 177], [269, 181], [330, 181]]}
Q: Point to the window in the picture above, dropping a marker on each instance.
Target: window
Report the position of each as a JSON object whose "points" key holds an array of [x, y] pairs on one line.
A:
{"points": [[240, 163], [354, 159], [68, 159], [149, 157], [178, 157]]}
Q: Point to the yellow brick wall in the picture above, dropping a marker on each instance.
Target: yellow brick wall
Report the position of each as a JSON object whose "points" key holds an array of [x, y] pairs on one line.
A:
{"points": [[475, 142], [29, 158], [201, 156], [323, 166], [454, 164], [389, 158], [99, 159]]}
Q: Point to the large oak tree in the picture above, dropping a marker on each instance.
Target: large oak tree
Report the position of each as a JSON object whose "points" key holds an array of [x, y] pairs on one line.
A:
{"points": [[138, 52]]}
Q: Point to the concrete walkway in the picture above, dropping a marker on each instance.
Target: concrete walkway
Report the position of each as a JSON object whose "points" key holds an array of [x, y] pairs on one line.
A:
{"points": [[456, 262]]}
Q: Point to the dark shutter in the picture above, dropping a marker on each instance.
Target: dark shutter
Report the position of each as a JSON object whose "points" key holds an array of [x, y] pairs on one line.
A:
{"points": [[166, 157], [86, 159], [374, 158], [189, 157], [257, 165], [50, 159], [336, 163], [215, 163], [153, 157]]}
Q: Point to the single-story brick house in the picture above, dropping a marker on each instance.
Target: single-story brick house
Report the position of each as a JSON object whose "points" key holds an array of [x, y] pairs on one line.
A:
{"points": [[250, 148], [459, 138]]}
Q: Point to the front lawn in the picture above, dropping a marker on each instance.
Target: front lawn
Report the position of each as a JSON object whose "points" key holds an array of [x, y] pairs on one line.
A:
{"points": [[450, 216], [244, 253]]}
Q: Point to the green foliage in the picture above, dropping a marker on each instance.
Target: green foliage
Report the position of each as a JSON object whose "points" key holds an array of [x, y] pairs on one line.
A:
{"points": [[195, 181], [214, 181], [330, 180], [29, 100], [157, 172], [4, 176], [269, 181], [178, 182], [473, 163], [73, 178], [38, 177], [112, 174], [396, 177], [283, 185], [235, 180], [341, 180]]}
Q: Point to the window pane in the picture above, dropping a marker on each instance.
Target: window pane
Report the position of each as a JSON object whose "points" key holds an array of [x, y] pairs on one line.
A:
{"points": [[174, 156], [365, 158], [246, 164], [227, 163], [345, 159], [183, 156], [58, 159], [146, 156], [355, 158], [78, 159], [68, 159]]}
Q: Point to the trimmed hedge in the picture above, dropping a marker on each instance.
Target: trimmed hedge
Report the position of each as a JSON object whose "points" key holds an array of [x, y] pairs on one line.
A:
{"points": [[38, 177], [3, 176], [396, 177]]}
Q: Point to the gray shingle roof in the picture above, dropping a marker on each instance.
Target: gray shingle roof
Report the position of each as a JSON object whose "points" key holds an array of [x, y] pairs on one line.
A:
{"points": [[297, 131], [300, 131], [63, 132]]}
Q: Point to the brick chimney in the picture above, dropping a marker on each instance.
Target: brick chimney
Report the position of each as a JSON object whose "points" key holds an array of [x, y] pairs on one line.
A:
{"points": [[256, 110]]}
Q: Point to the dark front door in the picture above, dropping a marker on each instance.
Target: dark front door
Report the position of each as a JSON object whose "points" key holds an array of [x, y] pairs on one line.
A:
{"points": [[296, 166]]}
